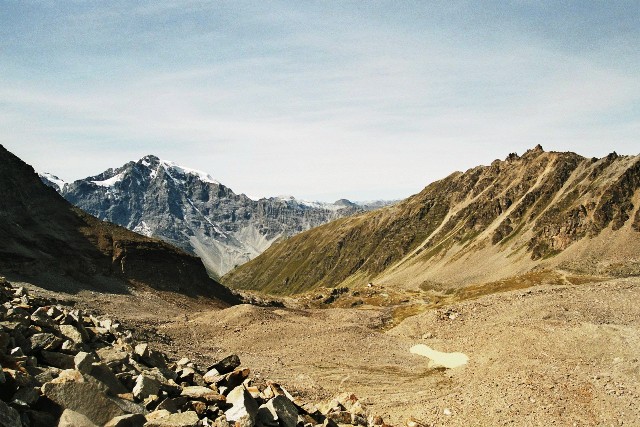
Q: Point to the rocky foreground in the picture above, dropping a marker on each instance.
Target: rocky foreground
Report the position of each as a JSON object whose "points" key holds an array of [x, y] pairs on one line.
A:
{"points": [[63, 367]]}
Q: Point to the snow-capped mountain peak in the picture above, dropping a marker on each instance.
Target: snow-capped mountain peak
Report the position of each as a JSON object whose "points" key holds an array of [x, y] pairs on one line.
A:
{"points": [[174, 170], [189, 208]]}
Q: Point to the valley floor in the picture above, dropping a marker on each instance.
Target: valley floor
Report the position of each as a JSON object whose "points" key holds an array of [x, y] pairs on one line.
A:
{"points": [[565, 355]]}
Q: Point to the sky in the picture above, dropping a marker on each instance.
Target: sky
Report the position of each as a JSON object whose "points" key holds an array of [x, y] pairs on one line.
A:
{"points": [[317, 99]]}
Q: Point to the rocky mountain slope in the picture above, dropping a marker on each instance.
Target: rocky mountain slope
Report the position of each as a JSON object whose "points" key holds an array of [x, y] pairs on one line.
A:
{"points": [[190, 209], [541, 210], [51, 242]]}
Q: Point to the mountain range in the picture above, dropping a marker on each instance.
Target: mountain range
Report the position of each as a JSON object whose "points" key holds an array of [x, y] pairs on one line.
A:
{"points": [[193, 211], [51, 243], [542, 210]]}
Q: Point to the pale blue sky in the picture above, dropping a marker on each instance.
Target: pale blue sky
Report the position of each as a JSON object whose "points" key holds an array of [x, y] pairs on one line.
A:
{"points": [[320, 100]]}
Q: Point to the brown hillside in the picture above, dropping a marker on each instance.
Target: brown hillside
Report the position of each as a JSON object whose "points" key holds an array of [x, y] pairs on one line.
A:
{"points": [[45, 239], [540, 210]]}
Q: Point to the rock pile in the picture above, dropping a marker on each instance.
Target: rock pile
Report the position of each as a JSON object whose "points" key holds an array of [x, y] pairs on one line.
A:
{"points": [[60, 366]]}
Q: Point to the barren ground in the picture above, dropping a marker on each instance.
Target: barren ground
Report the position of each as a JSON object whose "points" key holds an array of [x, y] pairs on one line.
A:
{"points": [[554, 354]]}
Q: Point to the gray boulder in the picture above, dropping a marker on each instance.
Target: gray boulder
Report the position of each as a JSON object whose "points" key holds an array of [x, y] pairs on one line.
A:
{"points": [[57, 360], [130, 420], [146, 386], [183, 419], [102, 373], [84, 398], [9, 417], [84, 362], [71, 418]]}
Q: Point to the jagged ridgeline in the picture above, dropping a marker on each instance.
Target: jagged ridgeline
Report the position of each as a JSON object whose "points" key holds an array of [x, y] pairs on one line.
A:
{"points": [[53, 244], [541, 210], [191, 210]]}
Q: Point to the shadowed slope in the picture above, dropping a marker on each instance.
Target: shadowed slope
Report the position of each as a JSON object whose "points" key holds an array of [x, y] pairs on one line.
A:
{"points": [[46, 239]]}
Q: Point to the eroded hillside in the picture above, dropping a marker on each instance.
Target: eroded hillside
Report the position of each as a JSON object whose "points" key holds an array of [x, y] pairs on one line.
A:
{"points": [[540, 210]]}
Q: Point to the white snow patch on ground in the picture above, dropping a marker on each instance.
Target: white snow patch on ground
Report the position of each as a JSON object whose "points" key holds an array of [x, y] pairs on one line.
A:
{"points": [[439, 358], [111, 181], [143, 228], [57, 181], [203, 176]]}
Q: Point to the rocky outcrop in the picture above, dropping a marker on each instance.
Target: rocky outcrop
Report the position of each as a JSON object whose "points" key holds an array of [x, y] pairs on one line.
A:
{"points": [[191, 210], [53, 243], [517, 212], [113, 381]]}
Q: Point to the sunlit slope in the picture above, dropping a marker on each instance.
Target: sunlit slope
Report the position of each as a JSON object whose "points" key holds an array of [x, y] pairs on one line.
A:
{"points": [[540, 210]]}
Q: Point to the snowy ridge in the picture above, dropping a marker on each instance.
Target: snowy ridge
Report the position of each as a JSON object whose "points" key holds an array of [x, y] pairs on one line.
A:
{"points": [[111, 181], [170, 166], [311, 204], [53, 179]]}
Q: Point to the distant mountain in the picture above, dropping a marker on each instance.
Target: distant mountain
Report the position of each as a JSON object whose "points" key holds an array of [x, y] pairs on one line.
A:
{"points": [[543, 210], [190, 209], [55, 245]]}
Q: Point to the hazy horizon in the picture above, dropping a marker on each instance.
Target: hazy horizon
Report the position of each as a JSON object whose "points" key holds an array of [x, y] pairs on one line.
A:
{"points": [[318, 100]]}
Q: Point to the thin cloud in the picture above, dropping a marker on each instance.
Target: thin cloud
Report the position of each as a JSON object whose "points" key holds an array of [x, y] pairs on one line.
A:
{"points": [[318, 103]]}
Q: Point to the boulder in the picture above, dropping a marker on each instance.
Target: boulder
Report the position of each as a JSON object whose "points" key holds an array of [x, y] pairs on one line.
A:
{"points": [[340, 417], [173, 404], [102, 373], [57, 360], [68, 375], [155, 359], [84, 398], [233, 379], [226, 365], [328, 422], [212, 376], [129, 420], [73, 334], [84, 362], [146, 386], [185, 374], [266, 418], [71, 418], [127, 405], [25, 397], [9, 417], [16, 352], [202, 393], [142, 350], [221, 422], [183, 419], [283, 410], [42, 319], [41, 418], [244, 408], [112, 355], [43, 341], [157, 414]]}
